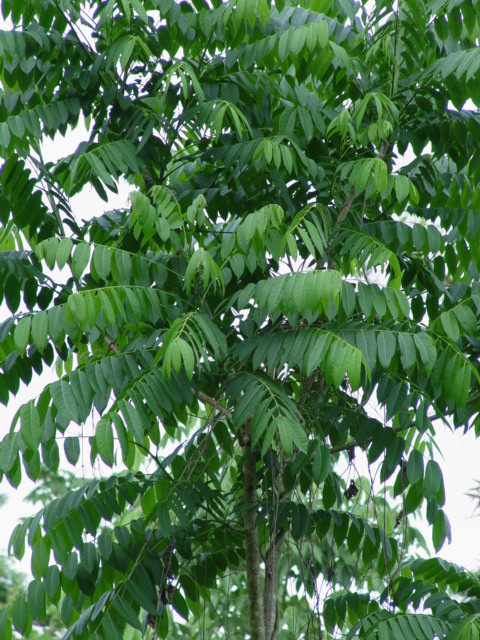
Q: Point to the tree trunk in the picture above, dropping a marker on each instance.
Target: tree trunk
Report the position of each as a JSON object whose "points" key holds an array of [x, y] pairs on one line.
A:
{"points": [[272, 562], [252, 547]]}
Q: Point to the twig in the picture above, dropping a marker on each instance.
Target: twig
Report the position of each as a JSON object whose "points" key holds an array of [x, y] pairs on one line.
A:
{"points": [[347, 205], [214, 403]]}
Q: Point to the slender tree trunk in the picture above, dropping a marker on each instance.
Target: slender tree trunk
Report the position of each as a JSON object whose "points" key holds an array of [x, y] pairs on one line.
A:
{"points": [[272, 562], [252, 547]]}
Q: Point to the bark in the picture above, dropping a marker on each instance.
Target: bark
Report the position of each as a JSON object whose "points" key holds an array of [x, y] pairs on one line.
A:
{"points": [[252, 547], [272, 562], [347, 205]]}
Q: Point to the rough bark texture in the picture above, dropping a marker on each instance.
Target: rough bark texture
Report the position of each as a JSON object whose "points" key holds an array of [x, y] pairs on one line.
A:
{"points": [[252, 548]]}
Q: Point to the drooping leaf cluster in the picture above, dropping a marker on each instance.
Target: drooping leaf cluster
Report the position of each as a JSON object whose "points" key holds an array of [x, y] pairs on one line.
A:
{"points": [[301, 245]]}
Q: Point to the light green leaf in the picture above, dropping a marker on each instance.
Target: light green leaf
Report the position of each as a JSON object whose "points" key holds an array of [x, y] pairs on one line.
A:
{"points": [[5, 622], [461, 382], [187, 357], [402, 187], [318, 347], [408, 354], [286, 435], [40, 558], [8, 452], [109, 314], [30, 425], [140, 10], [40, 330], [81, 257], [433, 480], [63, 252], [338, 361], [465, 317], [426, 349], [450, 325], [354, 368], [386, 347], [102, 260], [104, 440], [21, 334], [64, 400]]}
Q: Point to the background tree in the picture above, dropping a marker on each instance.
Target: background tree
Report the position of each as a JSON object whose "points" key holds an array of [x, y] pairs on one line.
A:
{"points": [[278, 275], [12, 588]]}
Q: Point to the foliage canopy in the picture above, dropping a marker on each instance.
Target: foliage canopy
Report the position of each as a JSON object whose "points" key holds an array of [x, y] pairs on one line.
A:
{"points": [[277, 273]]}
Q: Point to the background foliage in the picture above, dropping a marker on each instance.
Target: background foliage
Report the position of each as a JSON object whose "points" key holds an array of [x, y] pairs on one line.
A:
{"points": [[277, 275]]}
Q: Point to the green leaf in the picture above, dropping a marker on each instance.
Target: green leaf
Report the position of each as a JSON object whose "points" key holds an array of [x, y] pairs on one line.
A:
{"points": [[441, 531], [450, 325], [8, 452], [81, 258], [126, 611], [21, 616], [433, 480], [111, 628], [102, 261], [36, 599], [408, 354], [30, 425], [402, 187], [317, 351], [426, 350], [338, 361], [64, 400], [386, 347], [40, 331], [104, 440], [5, 622], [63, 252], [322, 464], [179, 604], [21, 334], [415, 466], [267, 267], [52, 582], [286, 435], [164, 521], [40, 558], [187, 357], [300, 521], [71, 446]]}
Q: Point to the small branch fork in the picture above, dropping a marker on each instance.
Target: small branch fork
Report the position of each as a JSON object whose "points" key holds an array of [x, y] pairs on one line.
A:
{"points": [[347, 205]]}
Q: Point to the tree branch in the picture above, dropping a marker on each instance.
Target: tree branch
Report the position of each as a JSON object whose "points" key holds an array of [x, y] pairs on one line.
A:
{"points": [[353, 443], [214, 403], [347, 205]]}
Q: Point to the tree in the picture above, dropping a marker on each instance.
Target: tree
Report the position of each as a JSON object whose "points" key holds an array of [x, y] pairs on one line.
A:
{"points": [[301, 246], [12, 587]]}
